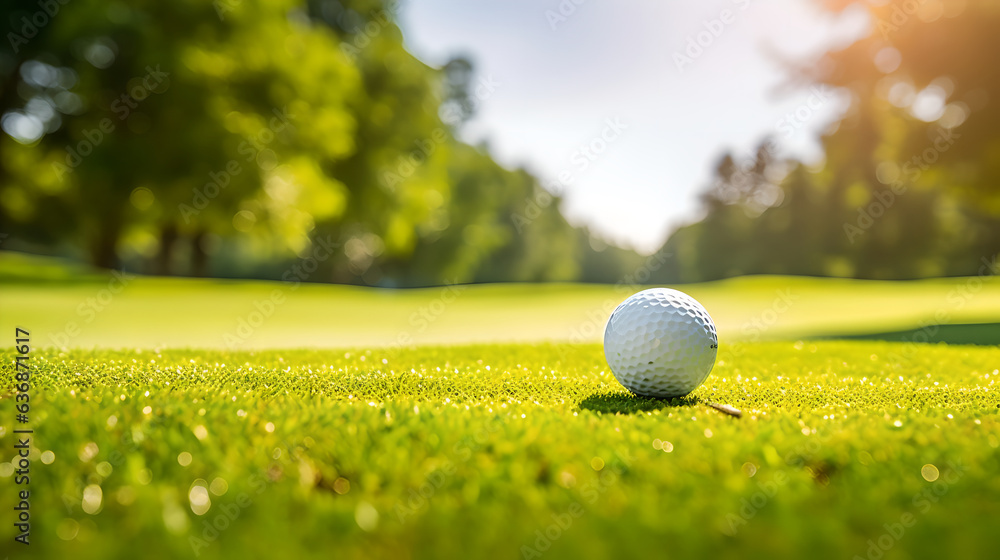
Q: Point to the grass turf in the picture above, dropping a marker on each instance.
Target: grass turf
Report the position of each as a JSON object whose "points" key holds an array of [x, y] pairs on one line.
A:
{"points": [[75, 308], [505, 451]]}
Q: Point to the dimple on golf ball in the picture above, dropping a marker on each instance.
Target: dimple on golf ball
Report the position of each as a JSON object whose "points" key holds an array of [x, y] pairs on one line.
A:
{"points": [[660, 343]]}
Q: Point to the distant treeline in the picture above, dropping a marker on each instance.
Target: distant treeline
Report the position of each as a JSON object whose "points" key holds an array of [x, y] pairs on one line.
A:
{"points": [[910, 185], [296, 139]]}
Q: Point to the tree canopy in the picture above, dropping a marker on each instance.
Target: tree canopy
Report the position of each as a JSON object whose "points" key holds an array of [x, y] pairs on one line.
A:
{"points": [[229, 138], [910, 185], [237, 137]]}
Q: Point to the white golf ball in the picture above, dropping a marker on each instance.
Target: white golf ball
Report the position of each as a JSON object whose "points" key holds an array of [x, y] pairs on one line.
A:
{"points": [[660, 343]]}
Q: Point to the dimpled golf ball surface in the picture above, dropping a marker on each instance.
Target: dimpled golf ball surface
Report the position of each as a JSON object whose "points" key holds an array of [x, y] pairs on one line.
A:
{"points": [[660, 343]]}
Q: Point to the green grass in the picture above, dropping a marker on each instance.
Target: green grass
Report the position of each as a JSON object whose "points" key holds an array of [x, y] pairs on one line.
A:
{"points": [[454, 430], [71, 307], [504, 441]]}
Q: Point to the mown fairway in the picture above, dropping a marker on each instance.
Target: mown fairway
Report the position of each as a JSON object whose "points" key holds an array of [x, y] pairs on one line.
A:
{"points": [[393, 437], [76, 308], [479, 451]]}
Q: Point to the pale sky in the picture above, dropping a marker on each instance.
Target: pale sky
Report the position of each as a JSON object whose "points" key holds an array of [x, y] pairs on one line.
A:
{"points": [[557, 88]]}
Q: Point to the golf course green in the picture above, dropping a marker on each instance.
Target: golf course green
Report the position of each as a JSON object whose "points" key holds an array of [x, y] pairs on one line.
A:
{"points": [[323, 431], [70, 307]]}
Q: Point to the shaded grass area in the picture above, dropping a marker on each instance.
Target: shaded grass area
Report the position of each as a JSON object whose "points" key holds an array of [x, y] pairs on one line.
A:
{"points": [[480, 451], [620, 402], [984, 334]]}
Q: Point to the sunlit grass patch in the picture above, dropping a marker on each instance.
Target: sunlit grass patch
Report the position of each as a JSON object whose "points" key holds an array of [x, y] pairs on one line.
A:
{"points": [[475, 451]]}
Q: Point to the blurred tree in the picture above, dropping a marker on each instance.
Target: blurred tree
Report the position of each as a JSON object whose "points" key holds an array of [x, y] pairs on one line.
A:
{"points": [[459, 99], [927, 64], [424, 207], [233, 137], [909, 185], [397, 176], [149, 131]]}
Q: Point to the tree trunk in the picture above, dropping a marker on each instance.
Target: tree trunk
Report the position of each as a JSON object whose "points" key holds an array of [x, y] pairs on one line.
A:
{"points": [[164, 258], [103, 252], [199, 258]]}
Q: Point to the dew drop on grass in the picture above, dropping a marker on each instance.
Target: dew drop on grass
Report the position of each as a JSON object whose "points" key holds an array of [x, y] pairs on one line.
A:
{"points": [[125, 495], [366, 516], [219, 486], [92, 498], [174, 518], [68, 529], [199, 499], [341, 486], [88, 452], [929, 472]]}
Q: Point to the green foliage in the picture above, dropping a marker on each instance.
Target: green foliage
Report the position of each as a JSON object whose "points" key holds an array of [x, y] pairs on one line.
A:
{"points": [[152, 131], [908, 188], [467, 451], [264, 128]]}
